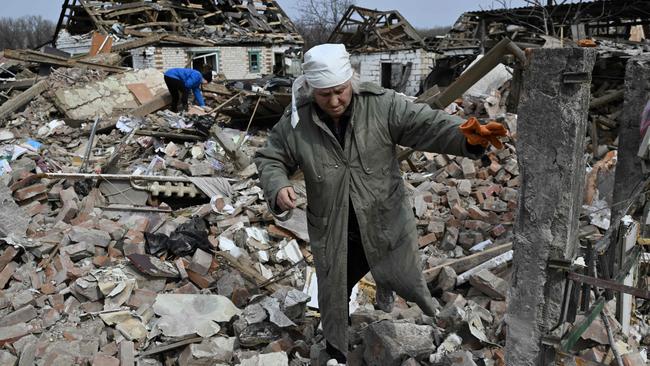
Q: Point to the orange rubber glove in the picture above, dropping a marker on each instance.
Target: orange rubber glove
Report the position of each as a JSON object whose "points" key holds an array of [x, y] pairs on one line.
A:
{"points": [[478, 134]]}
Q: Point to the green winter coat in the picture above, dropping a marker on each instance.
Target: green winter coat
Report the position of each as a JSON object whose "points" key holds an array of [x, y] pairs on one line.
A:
{"points": [[366, 173]]}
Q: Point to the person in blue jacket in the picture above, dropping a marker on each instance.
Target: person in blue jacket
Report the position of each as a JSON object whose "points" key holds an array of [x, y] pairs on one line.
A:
{"points": [[180, 81]]}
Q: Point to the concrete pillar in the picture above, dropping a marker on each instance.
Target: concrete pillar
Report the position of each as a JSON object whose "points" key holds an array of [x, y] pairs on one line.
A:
{"points": [[629, 173], [550, 145]]}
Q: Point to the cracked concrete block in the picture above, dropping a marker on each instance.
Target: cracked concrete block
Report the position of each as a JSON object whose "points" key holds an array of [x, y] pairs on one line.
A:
{"points": [[388, 343]]}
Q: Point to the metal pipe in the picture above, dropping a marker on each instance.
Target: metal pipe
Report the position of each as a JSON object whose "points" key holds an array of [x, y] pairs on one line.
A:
{"points": [[118, 177]]}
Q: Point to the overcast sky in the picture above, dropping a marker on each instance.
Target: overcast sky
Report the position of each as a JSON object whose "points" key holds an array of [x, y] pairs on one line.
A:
{"points": [[421, 13]]}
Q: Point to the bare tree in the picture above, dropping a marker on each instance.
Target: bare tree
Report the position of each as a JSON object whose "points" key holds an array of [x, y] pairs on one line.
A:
{"points": [[318, 18], [433, 31], [25, 32]]}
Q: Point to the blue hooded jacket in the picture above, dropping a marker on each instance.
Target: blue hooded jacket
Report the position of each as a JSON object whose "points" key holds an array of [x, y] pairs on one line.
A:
{"points": [[191, 79]]}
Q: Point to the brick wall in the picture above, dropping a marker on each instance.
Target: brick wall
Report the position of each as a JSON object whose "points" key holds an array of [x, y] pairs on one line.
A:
{"points": [[233, 61], [369, 66]]}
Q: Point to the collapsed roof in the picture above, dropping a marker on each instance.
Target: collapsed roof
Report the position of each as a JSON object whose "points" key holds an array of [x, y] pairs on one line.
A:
{"points": [[366, 30], [218, 21], [529, 26]]}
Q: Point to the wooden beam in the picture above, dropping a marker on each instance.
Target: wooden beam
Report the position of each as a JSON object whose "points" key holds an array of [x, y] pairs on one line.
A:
{"points": [[159, 102], [142, 42], [466, 263], [21, 84], [91, 14], [25, 97]]}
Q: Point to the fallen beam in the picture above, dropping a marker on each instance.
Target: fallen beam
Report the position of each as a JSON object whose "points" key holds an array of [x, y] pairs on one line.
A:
{"points": [[606, 99], [18, 84], [47, 59], [249, 272], [241, 160], [475, 73], [466, 263], [21, 100], [170, 135], [609, 285], [159, 102], [490, 264]]}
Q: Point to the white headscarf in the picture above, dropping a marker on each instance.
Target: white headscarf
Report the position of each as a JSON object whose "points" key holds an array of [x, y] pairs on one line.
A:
{"points": [[326, 66]]}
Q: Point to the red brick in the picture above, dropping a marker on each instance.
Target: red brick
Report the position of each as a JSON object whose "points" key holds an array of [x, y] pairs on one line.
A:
{"points": [[498, 230], [423, 241], [30, 192], [6, 274], [7, 256]]}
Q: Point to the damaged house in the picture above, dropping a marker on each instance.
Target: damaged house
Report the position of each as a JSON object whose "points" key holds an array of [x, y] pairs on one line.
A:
{"points": [[385, 48], [242, 40]]}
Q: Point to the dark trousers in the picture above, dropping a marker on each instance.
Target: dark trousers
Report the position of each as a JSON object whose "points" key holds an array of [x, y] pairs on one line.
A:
{"points": [[178, 91], [357, 262], [357, 268]]}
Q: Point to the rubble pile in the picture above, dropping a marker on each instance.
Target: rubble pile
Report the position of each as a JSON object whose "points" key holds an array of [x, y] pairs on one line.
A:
{"points": [[101, 263], [192, 22], [132, 234], [95, 267]]}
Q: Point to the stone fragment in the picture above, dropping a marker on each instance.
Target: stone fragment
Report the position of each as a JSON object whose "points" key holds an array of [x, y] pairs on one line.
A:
{"points": [[498, 231], [13, 219], [87, 287], [467, 239], [469, 170], [476, 213], [115, 230], [292, 301], [27, 351], [105, 360], [633, 359], [199, 316], [452, 197], [388, 343], [440, 160], [494, 204], [436, 227], [489, 284], [453, 169], [126, 353], [267, 359], [254, 313], [451, 316], [508, 194], [450, 239], [80, 234], [459, 212], [22, 298], [201, 262], [450, 344], [32, 191], [428, 239], [132, 329], [276, 316], [7, 359], [446, 279], [14, 332], [79, 251], [141, 297], [460, 358], [209, 352], [22, 315], [464, 187]]}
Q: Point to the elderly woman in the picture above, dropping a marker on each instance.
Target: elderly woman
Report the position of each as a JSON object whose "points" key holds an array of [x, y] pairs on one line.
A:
{"points": [[343, 136]]}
